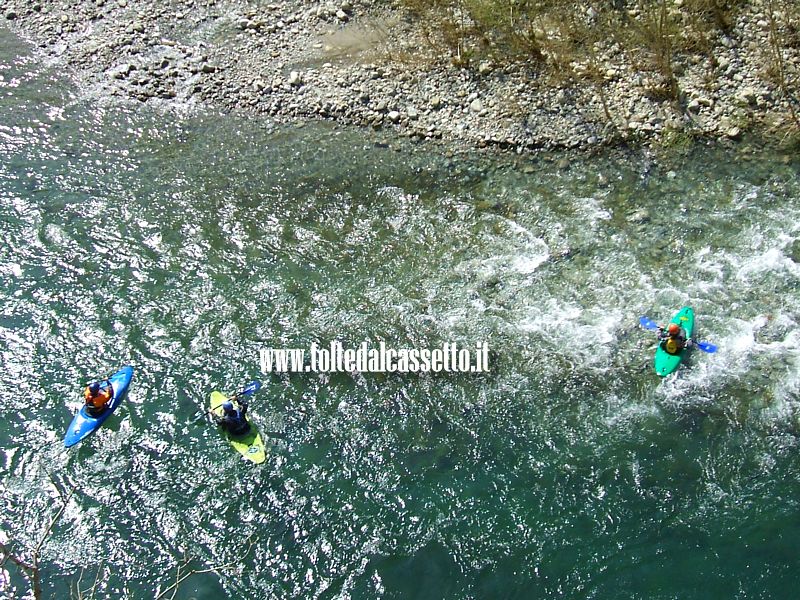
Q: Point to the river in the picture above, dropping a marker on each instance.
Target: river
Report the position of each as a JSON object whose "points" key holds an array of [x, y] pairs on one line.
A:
{"points": [[184, 241]]}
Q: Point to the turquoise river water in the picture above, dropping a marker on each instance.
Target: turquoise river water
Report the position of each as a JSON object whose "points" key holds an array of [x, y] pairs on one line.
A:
{"points": [[185, 243]]}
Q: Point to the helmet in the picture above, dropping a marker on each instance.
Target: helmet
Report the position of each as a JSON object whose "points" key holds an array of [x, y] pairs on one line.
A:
{"points": [[94, 388], [673, 328], [227, 405]]}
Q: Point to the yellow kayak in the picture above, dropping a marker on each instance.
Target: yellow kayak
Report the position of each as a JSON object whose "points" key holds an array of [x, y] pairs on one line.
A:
{"points": [[250, 445]]}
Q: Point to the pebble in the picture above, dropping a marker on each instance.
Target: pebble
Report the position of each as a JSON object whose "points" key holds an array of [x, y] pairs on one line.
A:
{"points": [[747, 95], [733, 133], [638, 217], [439, 101]]}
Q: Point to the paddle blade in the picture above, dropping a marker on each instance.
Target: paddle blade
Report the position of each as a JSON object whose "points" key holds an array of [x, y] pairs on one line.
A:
{"points": [[648, 324], [199, 417], [706, 347], [250, 388]]}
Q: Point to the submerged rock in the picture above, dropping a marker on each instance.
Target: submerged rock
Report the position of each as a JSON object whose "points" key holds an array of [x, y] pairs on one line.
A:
{"points": [[794, 251]]}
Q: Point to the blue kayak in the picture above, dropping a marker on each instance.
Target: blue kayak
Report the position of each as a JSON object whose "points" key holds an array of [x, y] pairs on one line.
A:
{"points": [[85, 424]]}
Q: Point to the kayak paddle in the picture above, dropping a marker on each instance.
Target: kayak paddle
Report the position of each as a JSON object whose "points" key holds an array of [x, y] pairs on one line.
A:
{"points": [[652, 325], [250, 388], [705, 346], [648, 324]]}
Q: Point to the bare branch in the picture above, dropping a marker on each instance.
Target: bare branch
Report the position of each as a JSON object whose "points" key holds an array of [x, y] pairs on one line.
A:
{"points": [[215, 569], [9, 556], [53, 522], [78, 594], [776, 43], [31, 569]]}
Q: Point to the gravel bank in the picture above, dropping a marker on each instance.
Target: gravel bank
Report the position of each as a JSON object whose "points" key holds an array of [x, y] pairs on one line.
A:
{"points": [[359, 62]]}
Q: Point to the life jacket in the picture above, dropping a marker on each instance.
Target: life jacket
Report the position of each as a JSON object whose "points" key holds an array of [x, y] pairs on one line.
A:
{"points": [[100, 400], [675, 343]]}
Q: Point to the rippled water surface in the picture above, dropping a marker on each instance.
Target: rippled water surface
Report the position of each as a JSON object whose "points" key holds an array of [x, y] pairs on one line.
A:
{"points": [[184, 244]]}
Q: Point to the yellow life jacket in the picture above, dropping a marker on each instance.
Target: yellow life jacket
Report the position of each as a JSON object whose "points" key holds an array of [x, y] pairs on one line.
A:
{"points": [[671, 346]]}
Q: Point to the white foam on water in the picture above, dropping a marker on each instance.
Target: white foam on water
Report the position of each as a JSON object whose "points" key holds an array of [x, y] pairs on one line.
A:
{"points": [[527, 253], [738, 350], [786, 354], [526, 265], [506, 265], [742, 354], [772, 260], [591, 209], [710, 269], [589, 335], [11, 268]]}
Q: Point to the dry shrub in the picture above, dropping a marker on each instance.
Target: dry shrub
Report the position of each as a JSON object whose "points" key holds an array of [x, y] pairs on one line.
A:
{"points": [[555, 35], [782, 17]]}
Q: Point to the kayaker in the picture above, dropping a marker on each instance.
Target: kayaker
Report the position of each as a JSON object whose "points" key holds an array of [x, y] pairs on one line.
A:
{"points": [[96, 396], [674, 338], [233, 417]]}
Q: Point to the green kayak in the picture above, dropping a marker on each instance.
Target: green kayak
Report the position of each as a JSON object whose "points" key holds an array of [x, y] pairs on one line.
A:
{"points": [[249, 445], [666, 363]]}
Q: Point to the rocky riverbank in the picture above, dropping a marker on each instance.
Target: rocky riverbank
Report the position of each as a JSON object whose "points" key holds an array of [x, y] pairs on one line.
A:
{"points": [[362, 62]]}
